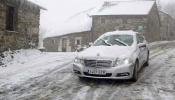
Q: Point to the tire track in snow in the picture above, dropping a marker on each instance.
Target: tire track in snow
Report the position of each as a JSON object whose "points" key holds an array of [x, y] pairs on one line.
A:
{"points": [[147, 75], [65, 78], [98, 93], [158, 52], [164, 77], [154, 65], [81, 95], [98, 89], [109, 88], [38, 82]]}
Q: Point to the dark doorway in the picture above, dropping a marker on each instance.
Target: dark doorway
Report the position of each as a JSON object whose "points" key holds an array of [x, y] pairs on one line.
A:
{"points": [[64, 45], [10, 16]]}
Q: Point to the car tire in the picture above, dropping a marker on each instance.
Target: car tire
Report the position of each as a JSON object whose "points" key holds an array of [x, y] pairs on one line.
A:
{"points": [[147, 61], [82, 79], [135, 72]]}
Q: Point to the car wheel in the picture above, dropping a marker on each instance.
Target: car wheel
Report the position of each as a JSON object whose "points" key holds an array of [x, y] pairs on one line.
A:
{"points": [[147, 61], [82, 79], [135, 72]]}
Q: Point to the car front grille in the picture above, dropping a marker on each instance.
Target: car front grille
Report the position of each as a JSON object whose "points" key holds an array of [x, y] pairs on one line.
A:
{"points": [[97, 63], [106, 75]]}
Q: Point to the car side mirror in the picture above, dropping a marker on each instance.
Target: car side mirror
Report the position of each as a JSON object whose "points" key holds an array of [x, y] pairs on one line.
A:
{"points": [[81, 48], [142, 45]]}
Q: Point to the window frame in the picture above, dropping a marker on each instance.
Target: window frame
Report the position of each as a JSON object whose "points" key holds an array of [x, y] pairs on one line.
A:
{"points": [[53, 41]]}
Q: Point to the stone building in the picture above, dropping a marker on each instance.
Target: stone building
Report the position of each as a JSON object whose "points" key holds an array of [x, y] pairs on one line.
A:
{"points": [[66, 43], [74, 34], [167, 26], [19, 24], [139, 16]]}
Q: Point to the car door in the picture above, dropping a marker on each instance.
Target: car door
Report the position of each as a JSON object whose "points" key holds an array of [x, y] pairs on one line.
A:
{"points": [[145, 49], [142, 48]]}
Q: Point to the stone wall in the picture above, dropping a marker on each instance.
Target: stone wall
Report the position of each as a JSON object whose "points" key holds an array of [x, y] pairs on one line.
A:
{"points": [[172, 29], [113, 23], [153, 25], [165, 23], [26, 25], [54, 44], [2, 25]]}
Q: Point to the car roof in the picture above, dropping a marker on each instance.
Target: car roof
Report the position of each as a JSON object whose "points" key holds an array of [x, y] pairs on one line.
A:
{"points": [[123, 32]]}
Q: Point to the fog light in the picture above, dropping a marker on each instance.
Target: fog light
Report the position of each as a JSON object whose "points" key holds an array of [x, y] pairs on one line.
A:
{"points": [[123, 74]]}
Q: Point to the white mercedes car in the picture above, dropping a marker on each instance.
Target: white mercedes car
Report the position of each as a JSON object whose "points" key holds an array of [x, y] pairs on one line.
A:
{"points": [[114, 55]]}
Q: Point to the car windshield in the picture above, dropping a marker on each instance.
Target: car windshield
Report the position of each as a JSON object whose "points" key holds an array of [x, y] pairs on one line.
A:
{"points": [[120, 40]]}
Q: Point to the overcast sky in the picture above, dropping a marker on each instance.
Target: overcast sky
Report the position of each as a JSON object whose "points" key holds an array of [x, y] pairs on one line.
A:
{"points": [[60, 10]]}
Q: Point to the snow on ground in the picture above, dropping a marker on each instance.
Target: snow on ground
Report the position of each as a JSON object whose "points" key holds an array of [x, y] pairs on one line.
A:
{"points": [[159, 44], [25, 64], [35, 75]]}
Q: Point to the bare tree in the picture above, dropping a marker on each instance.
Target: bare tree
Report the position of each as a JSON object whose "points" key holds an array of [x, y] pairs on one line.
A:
{"points": [[170, 9]]}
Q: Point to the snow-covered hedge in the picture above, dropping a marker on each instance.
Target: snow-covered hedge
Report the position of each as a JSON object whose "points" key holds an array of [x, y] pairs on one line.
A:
{"points": [[18, 56]]}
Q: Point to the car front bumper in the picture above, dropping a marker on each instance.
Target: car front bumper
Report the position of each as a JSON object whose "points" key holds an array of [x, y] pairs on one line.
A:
{"points": [[119, 72]]}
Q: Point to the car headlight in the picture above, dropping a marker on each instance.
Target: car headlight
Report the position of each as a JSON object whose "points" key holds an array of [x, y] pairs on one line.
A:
{"points": [[123, 61], [78, 60]]}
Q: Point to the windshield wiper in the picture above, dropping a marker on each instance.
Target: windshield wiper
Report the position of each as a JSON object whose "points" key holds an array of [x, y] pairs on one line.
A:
{"points": [[106, 42], [121, 42]]}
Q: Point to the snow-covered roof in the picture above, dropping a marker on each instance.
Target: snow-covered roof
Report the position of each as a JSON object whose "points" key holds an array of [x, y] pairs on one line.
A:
{"points": [[35, 2], [124, 8], [80, 22]]}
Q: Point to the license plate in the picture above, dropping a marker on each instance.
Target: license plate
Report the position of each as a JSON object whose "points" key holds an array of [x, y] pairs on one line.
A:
{"points": [[96, 71]]}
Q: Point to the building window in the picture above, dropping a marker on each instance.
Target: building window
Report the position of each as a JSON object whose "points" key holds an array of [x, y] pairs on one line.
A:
{"points": [[10, 18], [125, 21], [140, 28], [53, 41], [77, 41], [171, 33]]}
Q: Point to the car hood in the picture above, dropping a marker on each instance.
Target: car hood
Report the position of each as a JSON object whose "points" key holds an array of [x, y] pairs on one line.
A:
{"points": [[112, 52]]}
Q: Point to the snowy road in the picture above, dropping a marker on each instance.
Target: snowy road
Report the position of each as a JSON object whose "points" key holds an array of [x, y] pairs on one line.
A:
{"points": [[156, 82]]}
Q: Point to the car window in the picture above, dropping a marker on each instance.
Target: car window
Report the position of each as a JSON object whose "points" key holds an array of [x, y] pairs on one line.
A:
{"points": [[140, 38], [120, 40]]}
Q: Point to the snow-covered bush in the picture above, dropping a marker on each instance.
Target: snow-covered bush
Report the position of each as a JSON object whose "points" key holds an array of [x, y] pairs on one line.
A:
{"points": [[18, 56]]}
